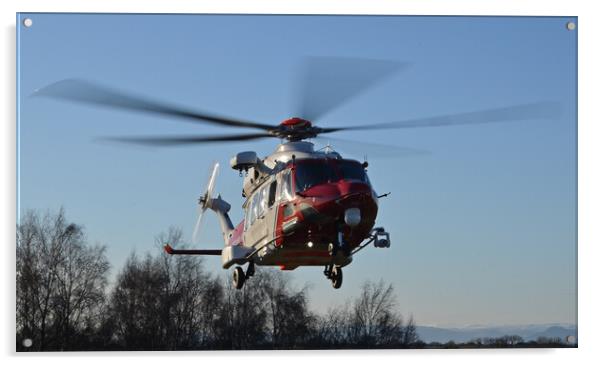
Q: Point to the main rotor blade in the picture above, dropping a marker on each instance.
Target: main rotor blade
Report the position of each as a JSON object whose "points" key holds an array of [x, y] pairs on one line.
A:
{"points": [[187, 140], [540, 110], [327, 82], [361, 149], [83, 91]]}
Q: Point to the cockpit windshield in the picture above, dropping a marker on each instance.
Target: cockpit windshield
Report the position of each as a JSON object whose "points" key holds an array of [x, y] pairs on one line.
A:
{"points": [[313, 172], [309, 173], [352, 170]]}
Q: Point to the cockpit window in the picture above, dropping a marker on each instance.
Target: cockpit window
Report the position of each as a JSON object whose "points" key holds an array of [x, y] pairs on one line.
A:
{"points": [[286, 192], [352, 170], [311, 173]]}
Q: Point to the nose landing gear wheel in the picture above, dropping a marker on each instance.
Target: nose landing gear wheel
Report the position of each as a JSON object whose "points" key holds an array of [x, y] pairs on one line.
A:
{"points": [[332, 249], [336, 276], [238, 277]]}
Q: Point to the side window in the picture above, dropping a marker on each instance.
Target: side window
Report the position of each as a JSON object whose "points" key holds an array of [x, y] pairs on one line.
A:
{"points": [[272, 195], [263, 197], [256, 206], [286, 188], [258, 203], [253, 209]]}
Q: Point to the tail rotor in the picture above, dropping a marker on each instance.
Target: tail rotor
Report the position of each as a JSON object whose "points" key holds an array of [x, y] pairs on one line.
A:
{"points": [[205, 200]]}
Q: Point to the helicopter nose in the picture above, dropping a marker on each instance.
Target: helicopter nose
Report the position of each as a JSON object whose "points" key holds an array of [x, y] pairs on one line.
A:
{"points": [[352, 216]]}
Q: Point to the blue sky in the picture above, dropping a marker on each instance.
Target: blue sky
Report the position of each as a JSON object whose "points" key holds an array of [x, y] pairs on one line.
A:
{"points": [[483, 227]]}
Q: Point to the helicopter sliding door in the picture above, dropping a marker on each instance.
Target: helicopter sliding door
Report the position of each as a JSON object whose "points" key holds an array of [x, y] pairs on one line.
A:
{"points": [[271, 213], [257, 227]]}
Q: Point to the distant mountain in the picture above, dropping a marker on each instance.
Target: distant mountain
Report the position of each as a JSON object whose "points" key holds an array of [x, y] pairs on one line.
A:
{"points": [[527, 332]]}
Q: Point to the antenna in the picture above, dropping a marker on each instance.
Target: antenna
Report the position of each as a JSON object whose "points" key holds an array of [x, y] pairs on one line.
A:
{"points": [[327, 148]]}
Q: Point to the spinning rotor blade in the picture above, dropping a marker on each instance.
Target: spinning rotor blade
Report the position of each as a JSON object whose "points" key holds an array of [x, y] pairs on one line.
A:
{"points": [[327, 82], [540, 110], [204, 200], [378, 150], [187, 140], [197, 226], [212, 179], [83, 91]]}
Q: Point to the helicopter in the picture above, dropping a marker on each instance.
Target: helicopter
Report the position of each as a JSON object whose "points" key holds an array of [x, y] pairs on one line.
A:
{"points": [[302, 206]]}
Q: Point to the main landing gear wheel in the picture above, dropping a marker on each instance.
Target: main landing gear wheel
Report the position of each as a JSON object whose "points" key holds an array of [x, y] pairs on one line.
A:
{"points": [[336, 277], [334, 274], [238, 277]]}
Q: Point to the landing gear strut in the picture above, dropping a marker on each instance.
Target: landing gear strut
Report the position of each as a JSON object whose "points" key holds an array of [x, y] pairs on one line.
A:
{"points": [[339, 244], [332, 249], [334, 274], [331, 271], [250, 270], [239, 276]]}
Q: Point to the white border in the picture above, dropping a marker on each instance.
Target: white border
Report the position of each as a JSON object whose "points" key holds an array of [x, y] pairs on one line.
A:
{"points": [[590, 140]]}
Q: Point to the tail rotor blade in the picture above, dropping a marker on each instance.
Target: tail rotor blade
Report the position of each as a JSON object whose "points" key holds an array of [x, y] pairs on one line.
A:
{"points": [[212, 179], [197, 226], [205, 199]]}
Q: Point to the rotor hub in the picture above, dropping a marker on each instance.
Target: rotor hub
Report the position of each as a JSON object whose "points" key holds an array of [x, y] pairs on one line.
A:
{"points": [[295, 123], [296, 129]]}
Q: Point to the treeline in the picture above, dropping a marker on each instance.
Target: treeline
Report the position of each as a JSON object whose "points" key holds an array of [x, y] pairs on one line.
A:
{"points": [[162, 302], [508, 341]]}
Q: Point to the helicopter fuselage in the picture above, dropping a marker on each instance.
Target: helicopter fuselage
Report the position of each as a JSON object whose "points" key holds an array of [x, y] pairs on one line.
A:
{"points": [[306, 201]]}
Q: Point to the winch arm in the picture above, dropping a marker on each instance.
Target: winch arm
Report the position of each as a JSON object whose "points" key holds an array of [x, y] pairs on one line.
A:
{"points": [[379, 236]]}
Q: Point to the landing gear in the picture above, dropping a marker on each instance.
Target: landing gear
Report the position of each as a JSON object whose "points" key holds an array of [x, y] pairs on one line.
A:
{"points": [[337, 277], [250, 270], [332, 249], [238, 277], [334, 274], [340, 244]]}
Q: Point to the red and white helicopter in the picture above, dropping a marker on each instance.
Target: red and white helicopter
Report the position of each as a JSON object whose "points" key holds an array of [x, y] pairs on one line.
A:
{"points": [[302, 206]]}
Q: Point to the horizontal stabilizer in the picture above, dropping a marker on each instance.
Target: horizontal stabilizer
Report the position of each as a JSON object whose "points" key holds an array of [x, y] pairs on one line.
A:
{"points": [[172, 251]]}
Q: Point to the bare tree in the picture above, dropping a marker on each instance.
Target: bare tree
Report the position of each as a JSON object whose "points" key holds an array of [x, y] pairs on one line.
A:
{"points": [[191, 297], [136, 305], [549, 341], [61, 281], [371, 321], [375, 320], [165, 302], [409, 335], [290, 321], [502, 341], [333, 329], [243, 319]]}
